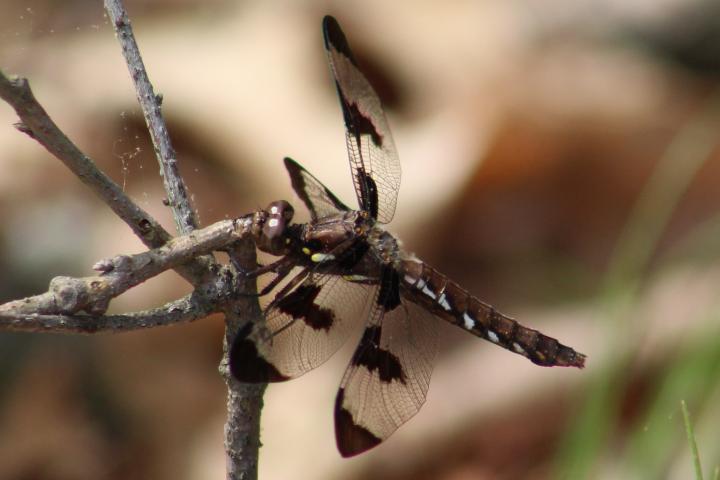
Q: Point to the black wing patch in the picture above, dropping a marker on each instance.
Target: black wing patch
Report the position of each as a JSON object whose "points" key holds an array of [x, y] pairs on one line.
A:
{"points": [[377, 360], [387, 380], [317, 197], [303, 328], [373, 159], [247, 364], [368, 187], [389, 296], [300, 304]]}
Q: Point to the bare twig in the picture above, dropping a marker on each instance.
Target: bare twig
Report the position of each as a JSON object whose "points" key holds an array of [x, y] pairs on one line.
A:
{"points": [[242, 429], [183, 310], [244, 401], [215, 288], [92, 294], [185, 219], [242, 432], [38, 125]]}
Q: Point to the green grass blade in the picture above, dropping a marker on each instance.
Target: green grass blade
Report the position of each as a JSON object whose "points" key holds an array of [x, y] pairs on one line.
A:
{"points": [[691, 440]]}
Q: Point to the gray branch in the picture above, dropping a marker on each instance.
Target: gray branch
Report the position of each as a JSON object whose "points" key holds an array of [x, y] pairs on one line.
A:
{"points": [[36, 123], [244, 401], [67, 295], [190, 255], [242, 430], [186, 309], [178, 200]]}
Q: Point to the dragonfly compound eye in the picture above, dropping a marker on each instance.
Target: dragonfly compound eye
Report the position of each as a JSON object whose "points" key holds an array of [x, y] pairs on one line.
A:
{"points": [[280, 214]]}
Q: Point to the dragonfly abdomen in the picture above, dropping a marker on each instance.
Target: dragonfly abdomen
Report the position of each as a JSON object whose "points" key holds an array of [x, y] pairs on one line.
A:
{"points": [[453, 303]]}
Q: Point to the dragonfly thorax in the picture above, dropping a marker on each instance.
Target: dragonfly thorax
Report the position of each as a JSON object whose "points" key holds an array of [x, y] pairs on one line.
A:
{"points": [[331, 234], [385, 245]]}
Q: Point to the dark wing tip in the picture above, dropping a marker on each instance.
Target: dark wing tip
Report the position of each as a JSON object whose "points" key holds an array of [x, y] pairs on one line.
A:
{"points": [[247, 365], [335, 38], [351, 438], [329, 20], [291, 165]]}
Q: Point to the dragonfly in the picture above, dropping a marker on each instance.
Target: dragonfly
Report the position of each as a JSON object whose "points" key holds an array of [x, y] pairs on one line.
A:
{"points": [[342, 269]]}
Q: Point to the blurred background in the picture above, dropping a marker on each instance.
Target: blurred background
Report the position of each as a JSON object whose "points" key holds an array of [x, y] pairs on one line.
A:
{"points": [[560, 159]]}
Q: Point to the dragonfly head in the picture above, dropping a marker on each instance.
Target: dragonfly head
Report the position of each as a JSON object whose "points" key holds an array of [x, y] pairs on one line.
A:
{"points": [[273, 235]]}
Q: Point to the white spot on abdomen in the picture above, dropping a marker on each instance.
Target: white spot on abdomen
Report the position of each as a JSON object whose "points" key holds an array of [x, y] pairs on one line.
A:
{"points": [[428, 292], [492, 336], [469, 322], [442, 300]]}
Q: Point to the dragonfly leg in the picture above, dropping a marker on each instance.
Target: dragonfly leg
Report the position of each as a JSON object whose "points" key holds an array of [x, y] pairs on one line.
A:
{"points": [[281, 268]]}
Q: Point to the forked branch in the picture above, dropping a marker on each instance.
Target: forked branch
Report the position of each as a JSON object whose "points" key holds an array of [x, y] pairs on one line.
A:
{"points": [[216, 287], [68, 296]]}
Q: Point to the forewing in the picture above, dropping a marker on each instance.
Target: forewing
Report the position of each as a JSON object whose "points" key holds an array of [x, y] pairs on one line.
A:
{"points": [[373, 159], [317, 197], [302, 329], [388, 378]]}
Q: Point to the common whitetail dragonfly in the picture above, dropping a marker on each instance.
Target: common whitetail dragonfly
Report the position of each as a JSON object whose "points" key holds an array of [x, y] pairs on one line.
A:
{"points": [[343, 267]]}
